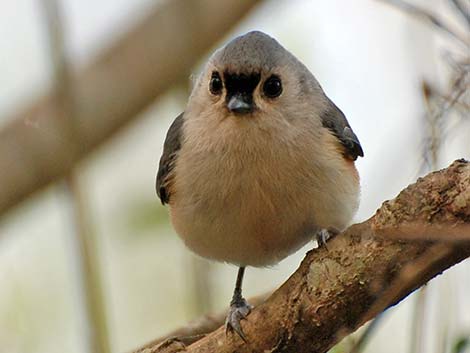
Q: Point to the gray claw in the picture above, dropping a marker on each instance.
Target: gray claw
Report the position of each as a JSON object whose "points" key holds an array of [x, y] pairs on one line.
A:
{"points": [[322, 237], [239, 310]]}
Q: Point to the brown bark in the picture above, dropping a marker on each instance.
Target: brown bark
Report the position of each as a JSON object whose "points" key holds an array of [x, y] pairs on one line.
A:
{"points": [[195, 330], [36, 148], [363, 272]]}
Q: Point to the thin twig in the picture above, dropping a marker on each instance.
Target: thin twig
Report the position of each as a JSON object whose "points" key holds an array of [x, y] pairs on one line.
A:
{"points": [[465, 12], [428, 17], [444, 97], [435, 118]]}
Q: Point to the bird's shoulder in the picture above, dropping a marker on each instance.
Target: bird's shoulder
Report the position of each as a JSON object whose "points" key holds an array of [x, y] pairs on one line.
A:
{"points": [[168, 159], [335, 121]]}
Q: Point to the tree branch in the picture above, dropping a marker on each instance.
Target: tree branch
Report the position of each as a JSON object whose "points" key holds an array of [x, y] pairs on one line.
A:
{"points": [[363, 272], [196, 329], [463, 9], [431, 18], [35, 149]]}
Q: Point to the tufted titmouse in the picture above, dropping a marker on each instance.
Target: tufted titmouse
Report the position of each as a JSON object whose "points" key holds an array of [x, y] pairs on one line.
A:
{"points": [[259, 162]]}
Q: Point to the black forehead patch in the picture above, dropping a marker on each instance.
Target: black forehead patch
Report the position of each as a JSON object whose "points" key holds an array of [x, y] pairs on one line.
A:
{"points": [[241, 83]]}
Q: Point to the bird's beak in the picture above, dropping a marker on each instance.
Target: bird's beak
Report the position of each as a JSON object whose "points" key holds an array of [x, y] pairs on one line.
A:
{"points": [[240, 104]]}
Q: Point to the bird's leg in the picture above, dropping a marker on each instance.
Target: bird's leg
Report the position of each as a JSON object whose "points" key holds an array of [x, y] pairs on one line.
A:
{"points": [[239, 308], [323, 235]]}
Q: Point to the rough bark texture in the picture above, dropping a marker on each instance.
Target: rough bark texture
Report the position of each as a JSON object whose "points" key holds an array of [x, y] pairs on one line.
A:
{"points": [[195, 330], [36, 148], [363, 271]]}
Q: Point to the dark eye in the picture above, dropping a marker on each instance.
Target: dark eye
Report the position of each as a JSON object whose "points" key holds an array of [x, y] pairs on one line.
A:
{"points": [[272, 87], [215, 84]]}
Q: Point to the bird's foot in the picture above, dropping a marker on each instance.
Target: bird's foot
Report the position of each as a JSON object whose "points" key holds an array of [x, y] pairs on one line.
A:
{"points": [[322, 237], [239, 310]]}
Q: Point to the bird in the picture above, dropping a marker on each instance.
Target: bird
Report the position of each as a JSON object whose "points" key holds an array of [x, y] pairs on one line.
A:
{"points": [[259, 163]]}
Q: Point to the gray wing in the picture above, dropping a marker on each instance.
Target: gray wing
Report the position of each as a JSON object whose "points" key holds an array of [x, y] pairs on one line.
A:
{"points": [[167, 161], [334, 120]]}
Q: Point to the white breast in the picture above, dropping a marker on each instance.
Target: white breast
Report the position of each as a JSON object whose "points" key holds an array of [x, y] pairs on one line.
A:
{"points": [[251, 194]]}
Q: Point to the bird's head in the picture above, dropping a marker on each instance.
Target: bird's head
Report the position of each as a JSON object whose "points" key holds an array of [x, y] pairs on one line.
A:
{"points": [[253, 77]]}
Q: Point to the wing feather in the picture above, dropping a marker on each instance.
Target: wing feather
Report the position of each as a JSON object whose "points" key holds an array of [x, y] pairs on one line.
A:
{"points": [[168, 159], [334, 120]]}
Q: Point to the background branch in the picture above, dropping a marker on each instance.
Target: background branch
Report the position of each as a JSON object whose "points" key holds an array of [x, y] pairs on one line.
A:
{"points": [[430, 18], [463, 8], [363, 272], [196, 329], [90, 301], [110, 92]]}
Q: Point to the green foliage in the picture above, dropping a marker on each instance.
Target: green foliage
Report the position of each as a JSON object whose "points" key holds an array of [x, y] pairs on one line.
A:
{"points": [[460, 344]]}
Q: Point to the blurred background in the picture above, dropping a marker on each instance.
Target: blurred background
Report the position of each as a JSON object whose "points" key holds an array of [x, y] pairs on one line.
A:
{"points": [[101, 240]]}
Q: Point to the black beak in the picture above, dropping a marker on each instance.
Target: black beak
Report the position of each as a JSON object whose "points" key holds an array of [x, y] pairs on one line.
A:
{"points": [[240, 104]]}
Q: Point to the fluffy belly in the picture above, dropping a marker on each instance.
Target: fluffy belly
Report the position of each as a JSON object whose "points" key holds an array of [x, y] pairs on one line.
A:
{"points": [[251, 230], [256, 212]]}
